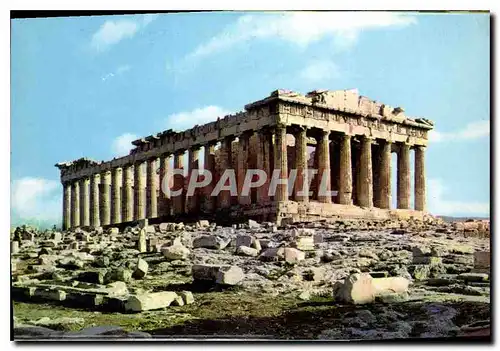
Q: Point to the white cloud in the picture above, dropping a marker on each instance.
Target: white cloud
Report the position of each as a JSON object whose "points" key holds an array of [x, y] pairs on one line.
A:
{"points": [[438, 204], [302, 28], [121, 145], [473, 130], [185, 120], [320, 70], [119, 71], [36, 198], [112, 32]]}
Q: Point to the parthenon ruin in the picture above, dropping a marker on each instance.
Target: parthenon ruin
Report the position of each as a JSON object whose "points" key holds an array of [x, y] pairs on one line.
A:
{"points": [[349, 135]]}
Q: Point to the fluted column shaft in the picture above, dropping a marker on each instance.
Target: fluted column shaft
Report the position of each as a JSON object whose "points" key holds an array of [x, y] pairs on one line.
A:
{"points": [[281, 162], [404, 177], [365, 184], [75, 205], [192, 202], [385, 176], [345, 181], [264, 164], [128, 194], [420, 178], [116, 210], [301, 182], [243, 145], [225, 157], [179, 200], [209, 165], [66, 205], [164, 203], [139, 191], [105, 198], [152, 189], [84, 203], [95, 220], [324, 169]]}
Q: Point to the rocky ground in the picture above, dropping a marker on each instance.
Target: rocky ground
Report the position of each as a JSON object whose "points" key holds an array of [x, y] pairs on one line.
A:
{"points": [[347, 280]]}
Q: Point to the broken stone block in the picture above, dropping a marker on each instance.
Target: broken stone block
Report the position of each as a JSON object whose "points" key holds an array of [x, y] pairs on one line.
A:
{"points": [[96, 277], [272, 254], [220, 274], [120, 274], [253, 224], [210, 242], [304, 243], [141, 269], [187, 297], [247, 251], [244, 240], [473, 277], [178, 301], [229, 275], [175, 252], [205, 271], [293, 255], [150, 301], [356, 289], [256, 245], [482, 259], [116, 289], [203, 223], [14, 247], [50, 294], [427, 260], [142, 242], [56, 236], [390, 285]]}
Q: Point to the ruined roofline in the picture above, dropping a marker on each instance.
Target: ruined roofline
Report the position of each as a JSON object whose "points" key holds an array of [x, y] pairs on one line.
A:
{"points": [[323, 99], [232, 124]]}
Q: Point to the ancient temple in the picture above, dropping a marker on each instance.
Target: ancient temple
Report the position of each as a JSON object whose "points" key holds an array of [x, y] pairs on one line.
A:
{"points": [[343, 135]]}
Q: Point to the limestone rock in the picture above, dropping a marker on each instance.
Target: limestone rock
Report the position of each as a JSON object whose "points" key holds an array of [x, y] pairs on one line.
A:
{"points": [[187, 297], [210, 242], [141, 269], [150, 301], [244, 240], [229, 275], [247, 251], [175, 252], [390, 285], [356, 289], [293, 255]]}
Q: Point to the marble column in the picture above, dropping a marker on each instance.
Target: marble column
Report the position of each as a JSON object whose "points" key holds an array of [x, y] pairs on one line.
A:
{"points": [[281, 162], [128, 194], [324, 169], [345, 181], [384, 181], [301, 182], [225, 159], [179, 200], [365, 184], [243, 150], [116, 211], [420, 178], [192, 202], [264, 164], [208, 202], [152, 189], [164, 204], [139, 191], [94, 201], [75, 204], [84, 202], [66, 205], [403, 172], [105, 198]]}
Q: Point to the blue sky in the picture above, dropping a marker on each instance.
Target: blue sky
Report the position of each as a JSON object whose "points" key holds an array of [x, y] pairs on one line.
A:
{"points": [[86, 86]]}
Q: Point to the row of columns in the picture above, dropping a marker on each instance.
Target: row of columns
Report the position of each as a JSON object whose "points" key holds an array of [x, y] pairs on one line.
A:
{"points": [[124, 194]]}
